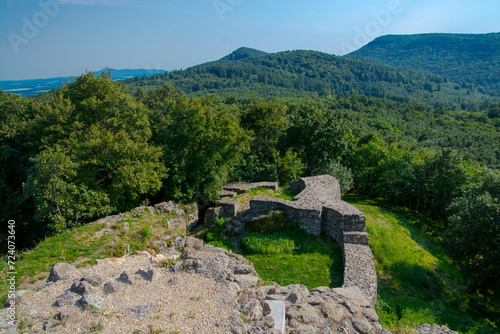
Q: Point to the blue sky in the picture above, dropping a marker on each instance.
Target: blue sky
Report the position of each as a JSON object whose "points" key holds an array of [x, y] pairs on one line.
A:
{"points": [[49, 38]]}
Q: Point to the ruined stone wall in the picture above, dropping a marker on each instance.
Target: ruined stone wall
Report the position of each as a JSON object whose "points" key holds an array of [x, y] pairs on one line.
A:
{"points": [[319, 209]]}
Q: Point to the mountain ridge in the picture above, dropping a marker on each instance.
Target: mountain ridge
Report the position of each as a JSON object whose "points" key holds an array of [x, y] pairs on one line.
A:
{"points": [[470, 58]]}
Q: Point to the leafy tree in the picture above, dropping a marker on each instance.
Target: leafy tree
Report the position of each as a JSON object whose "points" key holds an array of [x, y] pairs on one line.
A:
{"points": [[340, 172], [60, 198], [474, 230], [266, 123], [201, 141], [317, 133], [289, 167], [99, 135]]}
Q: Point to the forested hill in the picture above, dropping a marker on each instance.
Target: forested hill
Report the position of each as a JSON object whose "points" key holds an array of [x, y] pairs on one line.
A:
{"points": [[314, 74], [462, 58], [243, 53]]}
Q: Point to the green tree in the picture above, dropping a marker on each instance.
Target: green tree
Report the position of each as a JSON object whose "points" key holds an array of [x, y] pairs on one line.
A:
{"points": [[60, 198], [266, 123], [100, 136], [201, 140], [317, 134], [474, 230]]}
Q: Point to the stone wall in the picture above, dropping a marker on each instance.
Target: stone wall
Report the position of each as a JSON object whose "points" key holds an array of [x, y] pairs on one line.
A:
{"points": [[318, 209]]}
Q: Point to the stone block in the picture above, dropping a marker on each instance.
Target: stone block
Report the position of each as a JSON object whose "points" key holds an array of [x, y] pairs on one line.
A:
{"points": [[278, 314]]}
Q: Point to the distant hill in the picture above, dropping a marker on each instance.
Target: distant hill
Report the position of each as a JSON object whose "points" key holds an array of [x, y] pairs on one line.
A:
{"points": [[37, 86], [248, 72], [244, 53], [469, 58]]}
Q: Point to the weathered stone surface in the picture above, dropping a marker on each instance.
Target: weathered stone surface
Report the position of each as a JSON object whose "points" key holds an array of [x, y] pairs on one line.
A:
{"points": [[243, 187], [49, 324], [214, 263], [95, 280], [139, 310], [247, 281], [226, 193], [303, 313], [68, 316], [92, 300], [434, 329], [174, 222], [36, 311], [142, 211], [313, 300], [166, 207], [304, 329], [82, 287], [111, 287], [125, 277], [358, 238], [212, 214], [193, 243], [299, 289], [68, 298], [62, 271], [149, 275], [318, 208], [191, 215], [333, 311], [359, 271], [20, 296], [370, 314], [250, 310], [229, 207], [362, 325], [179, 242], [320, 289]]}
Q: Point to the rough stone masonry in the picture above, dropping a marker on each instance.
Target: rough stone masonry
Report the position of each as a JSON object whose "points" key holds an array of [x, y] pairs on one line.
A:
{"points": [[318, 208]]}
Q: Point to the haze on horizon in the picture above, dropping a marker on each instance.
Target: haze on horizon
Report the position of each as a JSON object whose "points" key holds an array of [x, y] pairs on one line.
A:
{"points": [[50, 38]]}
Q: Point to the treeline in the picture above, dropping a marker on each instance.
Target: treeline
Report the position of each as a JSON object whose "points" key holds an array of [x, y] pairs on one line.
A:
{"points": [[468, 59], [92, 149], [314, 74]]}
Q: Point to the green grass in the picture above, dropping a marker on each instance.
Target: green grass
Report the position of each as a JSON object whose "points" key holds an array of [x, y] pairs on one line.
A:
{"points": [[83, 243], [276, 243], [295, 257], [286, 194], [418, 282]]}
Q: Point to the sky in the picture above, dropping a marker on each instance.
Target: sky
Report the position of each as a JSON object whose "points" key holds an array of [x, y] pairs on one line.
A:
{"points": [[52, 38]]}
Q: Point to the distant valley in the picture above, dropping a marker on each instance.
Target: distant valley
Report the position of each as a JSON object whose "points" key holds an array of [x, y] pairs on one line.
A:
{"points": [[38, 86]]}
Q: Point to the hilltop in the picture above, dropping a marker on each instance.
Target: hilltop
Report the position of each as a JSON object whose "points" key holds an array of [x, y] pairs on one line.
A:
{"points": [[462, 58], [300, 73], [244, 53]]}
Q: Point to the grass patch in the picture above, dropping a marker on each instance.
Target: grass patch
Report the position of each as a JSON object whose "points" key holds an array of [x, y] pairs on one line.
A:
{"points": [[286, 194], [295, 257], [276, 243], [215, 236], [86, 243], [418, 282]]}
